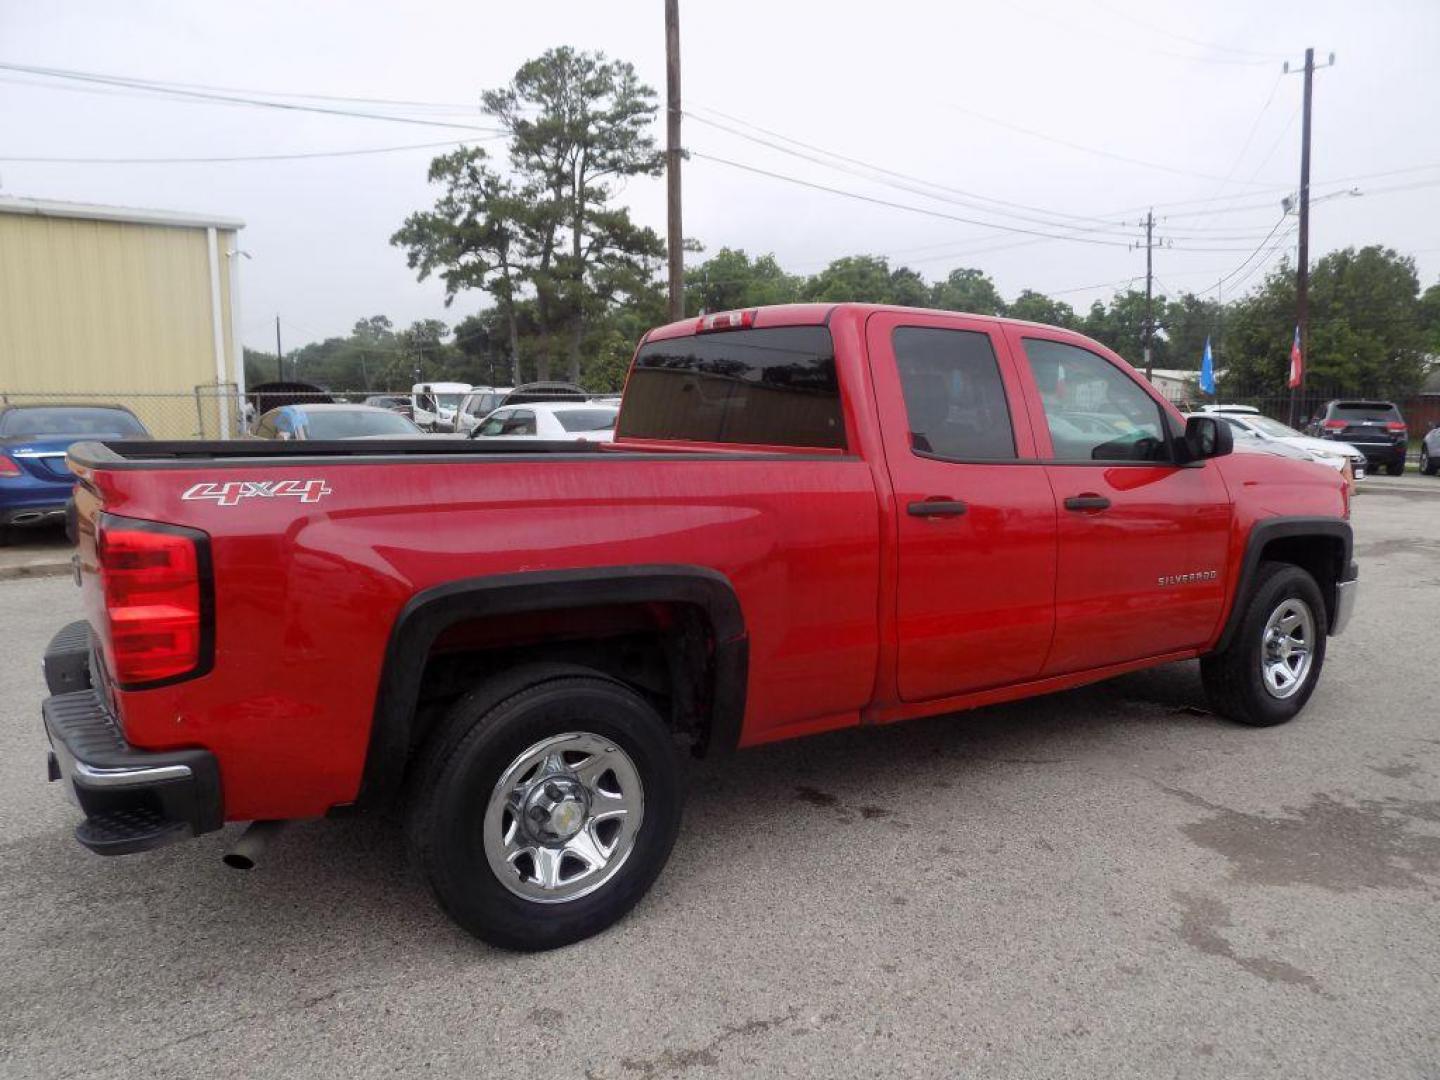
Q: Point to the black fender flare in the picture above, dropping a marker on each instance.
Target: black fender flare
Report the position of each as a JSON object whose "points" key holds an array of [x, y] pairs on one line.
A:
{"points": [[430, 612], [1283, 528]]}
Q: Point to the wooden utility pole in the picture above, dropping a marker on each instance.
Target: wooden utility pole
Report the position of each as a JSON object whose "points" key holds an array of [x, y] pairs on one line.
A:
{"points": [[1302, 278], [1149, 291], [672, 159], [279, 353]]}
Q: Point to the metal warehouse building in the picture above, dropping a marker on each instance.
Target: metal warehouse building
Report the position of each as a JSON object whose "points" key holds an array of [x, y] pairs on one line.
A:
{"points": [[108, 304]]}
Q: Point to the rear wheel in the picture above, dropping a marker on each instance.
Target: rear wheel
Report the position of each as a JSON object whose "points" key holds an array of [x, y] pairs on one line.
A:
{"points": [[1269, 670], [545, 807], [1395, 468]]}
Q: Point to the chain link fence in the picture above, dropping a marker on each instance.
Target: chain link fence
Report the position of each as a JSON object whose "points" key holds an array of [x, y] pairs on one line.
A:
{"points": [[208, 411]]}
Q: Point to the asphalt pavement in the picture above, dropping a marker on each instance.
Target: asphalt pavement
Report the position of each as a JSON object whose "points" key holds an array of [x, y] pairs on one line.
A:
{"points": [[1107, 882]]}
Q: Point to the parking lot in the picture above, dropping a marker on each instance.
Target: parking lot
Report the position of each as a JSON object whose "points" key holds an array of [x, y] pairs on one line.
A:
{"points": [[1107, 882]]}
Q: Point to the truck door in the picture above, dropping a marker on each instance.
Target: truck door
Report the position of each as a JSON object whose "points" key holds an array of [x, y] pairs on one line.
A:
{"points": [[1143, 541], [975, 583]]}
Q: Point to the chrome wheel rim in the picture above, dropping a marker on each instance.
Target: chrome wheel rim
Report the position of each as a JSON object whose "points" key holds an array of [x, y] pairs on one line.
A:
{"points": [[563, 818], [1287, 648]]}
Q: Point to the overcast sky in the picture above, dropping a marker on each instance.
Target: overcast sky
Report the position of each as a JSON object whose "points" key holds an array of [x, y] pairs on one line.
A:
{"points": [[1058, 117]]}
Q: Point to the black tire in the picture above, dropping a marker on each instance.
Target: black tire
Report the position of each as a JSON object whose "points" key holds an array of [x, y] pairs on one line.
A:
{"points": [[1395, 468], [486, 731], [1428, 465], [1233, 678]]}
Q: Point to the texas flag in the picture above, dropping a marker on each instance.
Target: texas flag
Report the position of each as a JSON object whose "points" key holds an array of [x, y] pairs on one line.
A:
{"points": [[1297, 362]]}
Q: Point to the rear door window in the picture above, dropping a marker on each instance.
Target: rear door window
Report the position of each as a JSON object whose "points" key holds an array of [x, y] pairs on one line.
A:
{"points": [[586, 419], [954, 398], [768, 387]]}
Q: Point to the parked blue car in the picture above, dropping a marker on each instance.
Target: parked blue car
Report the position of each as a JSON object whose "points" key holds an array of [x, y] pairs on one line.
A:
{"points": [[35, 482]]}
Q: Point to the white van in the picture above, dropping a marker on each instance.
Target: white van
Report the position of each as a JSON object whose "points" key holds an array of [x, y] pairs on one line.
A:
{"points": [[434, 404]]}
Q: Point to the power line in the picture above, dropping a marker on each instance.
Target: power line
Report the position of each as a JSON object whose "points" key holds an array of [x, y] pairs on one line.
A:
{"points": [[231, 99], [299, 156], [969, 199], [1113, 225], [1050, 18], [1122, 14], [932, 213], [1086, 149], [1274, 229], [901, 206]]}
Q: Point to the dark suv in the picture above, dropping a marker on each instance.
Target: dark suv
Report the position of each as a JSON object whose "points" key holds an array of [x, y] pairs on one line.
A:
{"points": [[1375, 427]]}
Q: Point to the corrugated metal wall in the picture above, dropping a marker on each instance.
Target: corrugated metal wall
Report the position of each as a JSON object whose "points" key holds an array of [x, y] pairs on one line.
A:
{"points": [[114, 309]]}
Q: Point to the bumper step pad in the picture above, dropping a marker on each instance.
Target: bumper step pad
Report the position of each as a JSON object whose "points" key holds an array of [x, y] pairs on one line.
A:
{"points": [[133, 799], [126, 831]]}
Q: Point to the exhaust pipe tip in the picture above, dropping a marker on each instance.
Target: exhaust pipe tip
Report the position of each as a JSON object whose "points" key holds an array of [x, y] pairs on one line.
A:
{"points": [[246, 852]]}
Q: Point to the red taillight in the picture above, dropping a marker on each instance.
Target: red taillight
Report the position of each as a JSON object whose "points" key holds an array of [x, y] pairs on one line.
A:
{"points": [[8, 467], [1334, 425], [725, 320], [155, 600], [1395, 425]]}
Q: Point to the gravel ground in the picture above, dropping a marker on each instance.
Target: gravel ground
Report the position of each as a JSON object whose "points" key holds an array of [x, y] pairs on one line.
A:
{"points": [[1107, 882]]}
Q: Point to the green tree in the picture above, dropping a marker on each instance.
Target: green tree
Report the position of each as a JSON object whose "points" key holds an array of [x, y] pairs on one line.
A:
{"points": [[1120, 325], [967, 290], [1187, 322], [1430, 317], [730, 279], [862, 278], [474, 238], [1367, 331], [1037, 307], [577, 123]]}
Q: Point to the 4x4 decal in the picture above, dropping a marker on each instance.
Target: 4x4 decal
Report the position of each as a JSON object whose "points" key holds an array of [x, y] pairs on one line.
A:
{"points": [[231, 492]]}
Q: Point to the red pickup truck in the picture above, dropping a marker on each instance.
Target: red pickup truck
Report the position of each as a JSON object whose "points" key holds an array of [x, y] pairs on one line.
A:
{"points": [[812, 517]]}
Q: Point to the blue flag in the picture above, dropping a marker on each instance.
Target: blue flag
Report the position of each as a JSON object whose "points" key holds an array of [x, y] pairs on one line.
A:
{"points": [[1207, 371]]}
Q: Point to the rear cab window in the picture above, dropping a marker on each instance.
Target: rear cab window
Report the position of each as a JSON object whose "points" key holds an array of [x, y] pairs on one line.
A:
{"points": [[39, 421], [773, 386]]}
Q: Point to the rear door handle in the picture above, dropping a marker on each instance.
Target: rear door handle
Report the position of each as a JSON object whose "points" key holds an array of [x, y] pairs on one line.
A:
{"points": [[937, 508], [1088, 501]]}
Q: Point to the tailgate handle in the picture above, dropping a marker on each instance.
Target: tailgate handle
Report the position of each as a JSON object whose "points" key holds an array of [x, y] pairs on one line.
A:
{"points": [[1088, 501], [937, 507]]}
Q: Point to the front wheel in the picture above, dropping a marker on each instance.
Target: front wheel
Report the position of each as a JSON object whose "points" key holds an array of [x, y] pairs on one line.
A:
{"points": [[1428, 465], [545, 806], [1269, 669]]}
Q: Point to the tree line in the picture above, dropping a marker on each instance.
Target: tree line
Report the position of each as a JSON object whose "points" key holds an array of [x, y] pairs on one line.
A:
{"points": [[569, 282]]}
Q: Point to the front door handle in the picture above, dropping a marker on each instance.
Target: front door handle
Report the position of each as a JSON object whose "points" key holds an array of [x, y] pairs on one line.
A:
{"points": [[1088, 501], [937, 508]]}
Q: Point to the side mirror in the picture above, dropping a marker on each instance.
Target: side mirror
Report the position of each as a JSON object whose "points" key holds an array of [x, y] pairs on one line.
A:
{"points": [[1207, 437]]}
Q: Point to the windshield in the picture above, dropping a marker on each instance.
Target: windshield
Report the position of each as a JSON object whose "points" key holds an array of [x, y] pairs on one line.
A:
{"points": [[587, 419], [1365, 410], [30, 423], [356, 424], [483, 404], [1273, 428], [448, 401]]}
